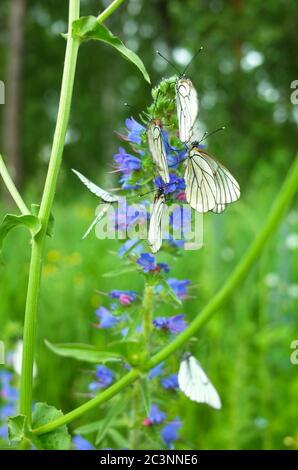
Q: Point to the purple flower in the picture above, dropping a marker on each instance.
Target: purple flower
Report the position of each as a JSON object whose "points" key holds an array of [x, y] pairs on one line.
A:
{"points": [[125, 216], [134, 130], [179, 287], [106, 319], [174, 325], [3, 432], [131, 246], [125, 162], [156, 416], [81, 444], [175, 184], [156, 371], [6, 390], [170, 382], [175, 157], [148, 264], [104, 378], [170, 432], [126, 297], [180, 219], [7, 410]]}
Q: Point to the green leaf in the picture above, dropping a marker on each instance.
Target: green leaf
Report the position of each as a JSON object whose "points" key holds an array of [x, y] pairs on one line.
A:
{"points": [[16, 429], [120, 441], [11, 221], [144, 383], [107, 422], [83, 352], [59, 439], [119, 272], [88, 27], [88, 428], [51, 224]]}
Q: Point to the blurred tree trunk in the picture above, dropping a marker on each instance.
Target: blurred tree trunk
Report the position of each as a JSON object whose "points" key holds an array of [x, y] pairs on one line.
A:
{"points": [[13, 82]]}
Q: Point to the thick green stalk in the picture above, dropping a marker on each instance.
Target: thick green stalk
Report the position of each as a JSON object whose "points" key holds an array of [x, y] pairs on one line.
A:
{"points": [[282, 201], [12, 188], [44, 214]]}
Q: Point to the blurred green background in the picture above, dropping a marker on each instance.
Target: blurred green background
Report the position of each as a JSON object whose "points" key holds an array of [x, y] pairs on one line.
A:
{"points": [[244, 81]]}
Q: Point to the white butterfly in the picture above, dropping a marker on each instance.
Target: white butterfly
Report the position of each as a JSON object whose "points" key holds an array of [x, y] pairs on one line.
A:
{"points": [[194, 383], [157, 149], [105, 196], [155, 233], [187, 104], [209, 185]]}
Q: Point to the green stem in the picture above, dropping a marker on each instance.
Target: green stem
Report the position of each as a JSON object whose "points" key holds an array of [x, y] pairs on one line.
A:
{"points": [[12, 188], [44, 214], [282, 201], [109, 10]]}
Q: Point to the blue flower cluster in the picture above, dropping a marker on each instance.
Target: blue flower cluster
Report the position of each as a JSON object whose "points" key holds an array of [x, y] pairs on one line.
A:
{"points": [[8, 400]]}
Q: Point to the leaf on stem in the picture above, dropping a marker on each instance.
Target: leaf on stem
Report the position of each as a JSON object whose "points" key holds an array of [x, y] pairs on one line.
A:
{"points": [[51, 224], [59, 439], [11, 221], [83, 352], [88, 27]]}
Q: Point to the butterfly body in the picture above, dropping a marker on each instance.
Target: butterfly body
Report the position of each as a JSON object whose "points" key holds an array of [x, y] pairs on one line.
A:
{"points": [[157, 148]]}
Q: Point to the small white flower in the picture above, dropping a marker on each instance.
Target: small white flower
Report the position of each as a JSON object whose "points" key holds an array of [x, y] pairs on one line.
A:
{"points": [[227, 253], [293, 291], [17, 359], [292, 241], [272, 280]]}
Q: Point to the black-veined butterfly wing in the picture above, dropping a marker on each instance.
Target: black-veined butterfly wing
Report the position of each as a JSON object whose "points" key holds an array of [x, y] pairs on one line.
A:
{"points": [[200, 184], [98, 217], [227, 188], [195, 384], [187, 104], [219, 208], [209, 185], [99, 192], [155, 233], [158, 151]]}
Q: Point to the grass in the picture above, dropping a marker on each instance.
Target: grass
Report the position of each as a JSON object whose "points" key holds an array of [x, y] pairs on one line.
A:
{"points": [[245, 348]]}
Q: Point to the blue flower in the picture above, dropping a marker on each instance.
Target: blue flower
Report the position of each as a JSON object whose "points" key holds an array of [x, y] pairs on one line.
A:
{"points": [[148, 264], [156, 416], [134, 130], [131, 246], [125, 162], [170, 382], [180, 219], [3, 432], [106, 319], [156, 371], [104, 377], [7, 410], [81, 444], [170, 432], [175, 184], [174, 325], [179, 287], [126, 297]]}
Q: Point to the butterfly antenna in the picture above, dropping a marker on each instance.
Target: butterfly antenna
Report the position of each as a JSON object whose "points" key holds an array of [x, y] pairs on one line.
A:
{"points": [[192, 59], [169, 62], [148, 192], [208, 134]]}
